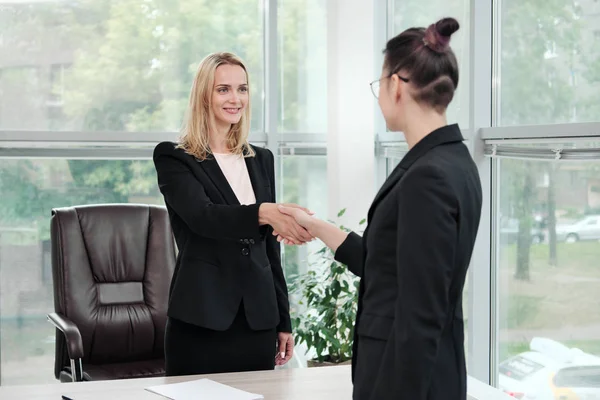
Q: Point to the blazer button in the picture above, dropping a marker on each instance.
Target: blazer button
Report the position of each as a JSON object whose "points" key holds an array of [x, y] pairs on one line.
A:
{"points": [[246, 241], [245, 251], [251, 241]]}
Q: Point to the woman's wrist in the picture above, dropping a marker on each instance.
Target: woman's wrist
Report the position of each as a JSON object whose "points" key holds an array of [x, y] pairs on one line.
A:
{"points": [[328, 233], [316, 227], [265, 211]]}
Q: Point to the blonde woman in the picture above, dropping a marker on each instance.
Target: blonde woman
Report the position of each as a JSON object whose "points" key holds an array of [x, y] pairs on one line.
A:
{"points": [[228, 305]]}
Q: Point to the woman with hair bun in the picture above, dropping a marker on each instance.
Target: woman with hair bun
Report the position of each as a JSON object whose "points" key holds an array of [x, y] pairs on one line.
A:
{"points": [[414, 254]]}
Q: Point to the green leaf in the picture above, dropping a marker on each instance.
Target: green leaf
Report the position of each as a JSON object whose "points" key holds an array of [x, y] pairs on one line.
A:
{"points": [[329, 300]]}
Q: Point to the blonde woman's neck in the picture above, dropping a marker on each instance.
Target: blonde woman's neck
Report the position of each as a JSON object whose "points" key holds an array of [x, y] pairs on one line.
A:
{"points": [[218, 141]]}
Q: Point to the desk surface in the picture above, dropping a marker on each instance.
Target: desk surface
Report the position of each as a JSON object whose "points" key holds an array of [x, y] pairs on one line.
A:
{"points": [[324, 383]]}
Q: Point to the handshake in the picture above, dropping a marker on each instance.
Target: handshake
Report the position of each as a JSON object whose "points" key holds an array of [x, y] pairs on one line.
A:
{"points": [[291, 223]]}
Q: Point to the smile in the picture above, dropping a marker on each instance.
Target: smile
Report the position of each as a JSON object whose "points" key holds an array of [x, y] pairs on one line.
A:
{"points": [[232, 110]]}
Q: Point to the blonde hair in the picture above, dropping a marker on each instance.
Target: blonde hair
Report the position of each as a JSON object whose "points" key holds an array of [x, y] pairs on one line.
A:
{"points": [[200, 120]]}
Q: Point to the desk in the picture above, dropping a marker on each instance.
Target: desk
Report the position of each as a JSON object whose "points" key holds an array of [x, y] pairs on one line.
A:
{"points": [[324, 383]]}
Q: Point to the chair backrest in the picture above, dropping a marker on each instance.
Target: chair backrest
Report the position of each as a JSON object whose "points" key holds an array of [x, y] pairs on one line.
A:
{"points": [[112, 265]]}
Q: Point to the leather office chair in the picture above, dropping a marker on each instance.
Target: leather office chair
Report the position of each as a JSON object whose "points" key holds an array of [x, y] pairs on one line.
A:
{"points": [[111, 267]]}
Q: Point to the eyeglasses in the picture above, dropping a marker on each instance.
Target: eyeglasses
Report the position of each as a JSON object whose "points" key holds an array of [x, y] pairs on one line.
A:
{"points": [[376, 84]]}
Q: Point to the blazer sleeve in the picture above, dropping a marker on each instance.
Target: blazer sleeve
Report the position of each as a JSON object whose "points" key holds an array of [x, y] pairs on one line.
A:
{"points": [[274, 254], [426, 247], [188, 198], [351, 253]]}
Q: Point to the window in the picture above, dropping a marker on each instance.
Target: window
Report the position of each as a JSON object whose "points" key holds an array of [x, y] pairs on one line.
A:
{"points": [[303, 182], [519, 368], [109, 68], [31, 188], [548, 274], [57, 85], [131, 63], [579, 377], [540, 50], [411, 13], [22, 101], [302, 26]]}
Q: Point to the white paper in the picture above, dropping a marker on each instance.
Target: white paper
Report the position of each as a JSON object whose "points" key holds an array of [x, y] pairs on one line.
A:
{"points": [[202, 389]]}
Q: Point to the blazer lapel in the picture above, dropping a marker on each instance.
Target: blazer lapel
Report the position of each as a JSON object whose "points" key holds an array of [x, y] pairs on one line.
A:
{"points": [[443, 135], [386, 187], [259, 179], [212, 169]]}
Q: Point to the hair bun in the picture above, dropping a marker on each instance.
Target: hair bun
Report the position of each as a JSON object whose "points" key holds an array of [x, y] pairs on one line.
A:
{"points": [[437, 36], [447, 26]]}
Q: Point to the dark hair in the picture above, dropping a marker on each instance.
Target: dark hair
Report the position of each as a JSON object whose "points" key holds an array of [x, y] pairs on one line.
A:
{"points": [[425, 56]]}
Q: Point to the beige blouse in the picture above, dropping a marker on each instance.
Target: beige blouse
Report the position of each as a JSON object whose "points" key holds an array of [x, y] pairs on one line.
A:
{"points": [[235, 170]]}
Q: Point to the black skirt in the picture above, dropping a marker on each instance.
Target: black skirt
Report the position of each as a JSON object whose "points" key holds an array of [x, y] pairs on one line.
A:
{"points": [[191, 350]]}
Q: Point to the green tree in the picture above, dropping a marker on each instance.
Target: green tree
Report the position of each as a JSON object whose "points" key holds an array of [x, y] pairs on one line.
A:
{"points": [[539, 43], [135, 70], [524, 211], [589, 104], [129, 67], [551, 226]]}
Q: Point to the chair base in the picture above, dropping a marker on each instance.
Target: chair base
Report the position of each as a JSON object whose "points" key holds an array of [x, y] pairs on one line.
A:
{"points": [[130, 370]]}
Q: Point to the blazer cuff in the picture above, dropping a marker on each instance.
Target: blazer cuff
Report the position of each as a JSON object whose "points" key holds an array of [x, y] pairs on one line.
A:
{"points": [[349, 251], [285, 325], [249, 220]]}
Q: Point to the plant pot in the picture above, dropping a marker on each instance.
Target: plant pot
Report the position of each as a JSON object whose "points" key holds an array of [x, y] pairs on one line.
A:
{"points": [[315, 363]]}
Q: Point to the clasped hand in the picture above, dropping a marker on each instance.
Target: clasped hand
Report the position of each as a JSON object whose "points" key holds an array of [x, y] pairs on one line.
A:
{"points": [[286, 224], [301, 220]]}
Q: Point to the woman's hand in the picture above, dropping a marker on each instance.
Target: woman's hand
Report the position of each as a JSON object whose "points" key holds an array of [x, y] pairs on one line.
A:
{"points": [[285, 225], [330, 234], [285, 348], [302, 218]]}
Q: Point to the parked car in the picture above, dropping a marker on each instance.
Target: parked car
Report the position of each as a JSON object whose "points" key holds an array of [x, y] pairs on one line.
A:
{"points": [[577, 383], [509, 230], [524, 374], [551, 371], [587, 228]]}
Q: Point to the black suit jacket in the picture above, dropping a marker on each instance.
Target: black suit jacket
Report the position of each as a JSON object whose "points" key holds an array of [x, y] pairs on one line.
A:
{"points": [[224, 255], [413, 260]]}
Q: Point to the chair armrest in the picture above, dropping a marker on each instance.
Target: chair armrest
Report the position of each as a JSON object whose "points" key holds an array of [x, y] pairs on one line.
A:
{"points": [[71, 332]]}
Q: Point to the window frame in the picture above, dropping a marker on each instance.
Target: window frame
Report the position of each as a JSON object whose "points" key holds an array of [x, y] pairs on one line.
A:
{"points": [[483, 135]]}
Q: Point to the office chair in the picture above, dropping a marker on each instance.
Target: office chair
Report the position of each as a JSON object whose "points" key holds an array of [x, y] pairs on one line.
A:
{"points": [[111, 268]]}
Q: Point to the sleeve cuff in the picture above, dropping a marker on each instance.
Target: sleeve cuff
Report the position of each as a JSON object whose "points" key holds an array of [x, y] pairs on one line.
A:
{"points": [[285, 326], [347, 252], [250, 217], [350, 253]]}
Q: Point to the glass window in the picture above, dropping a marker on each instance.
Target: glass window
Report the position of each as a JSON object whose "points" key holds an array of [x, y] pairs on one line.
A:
{"points": [[410, 13], [579, 377], [302, 46], [303, 181], [118, 65], [519, 368], [547, 257], [549, 62], [30, 189]]}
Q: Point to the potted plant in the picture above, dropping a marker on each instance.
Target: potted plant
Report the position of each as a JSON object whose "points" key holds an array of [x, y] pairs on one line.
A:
{"points": [[324, 318]]}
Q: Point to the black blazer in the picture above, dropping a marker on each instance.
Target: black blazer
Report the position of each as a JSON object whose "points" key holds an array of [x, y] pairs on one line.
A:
{"points": [[413, 261], [224, 256]]}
